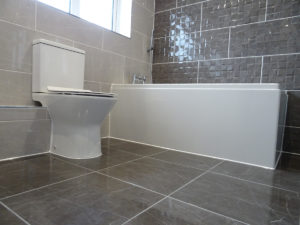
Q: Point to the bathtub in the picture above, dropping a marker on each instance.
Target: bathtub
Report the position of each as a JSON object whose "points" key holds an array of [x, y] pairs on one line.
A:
{"points": [[237, 122]]}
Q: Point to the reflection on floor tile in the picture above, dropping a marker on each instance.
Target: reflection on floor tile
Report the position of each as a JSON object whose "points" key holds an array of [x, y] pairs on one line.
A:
{"points": [[289, 180], [242, 200], [110, 157], [138, 149], [7, 218], [154, 174], [24, 174], [189, 160], [289, 162], [173, 212], [89, 200]]}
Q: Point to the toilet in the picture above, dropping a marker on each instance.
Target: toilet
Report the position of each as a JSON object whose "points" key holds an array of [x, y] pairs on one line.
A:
{"points": [[76, 114]]}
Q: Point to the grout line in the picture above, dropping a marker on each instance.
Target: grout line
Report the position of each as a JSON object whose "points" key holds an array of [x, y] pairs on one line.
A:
{"points": [[136, 185], [177, 7], [168, 195], [253, 182], [23, 157], [16, 121], [201, 16], [291, 126], [291, 153], [266, 11], [176, 199], [44, 186], [198, 71], [14, 213], [15, 71], [261, 69], [240, 57], [229, 40]]}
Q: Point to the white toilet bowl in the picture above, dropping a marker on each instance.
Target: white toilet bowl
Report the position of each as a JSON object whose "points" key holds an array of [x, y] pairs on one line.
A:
{"points": [[76, 114], [76, 123]]}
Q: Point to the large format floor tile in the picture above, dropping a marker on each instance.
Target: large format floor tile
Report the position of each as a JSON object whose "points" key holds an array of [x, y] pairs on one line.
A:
{"points": [[138, 149], [8, 218], [89, 200], [286, 179], [173, 212], [110, 157], [156, 175], [27, 173], [189, 160], [242, 200]]}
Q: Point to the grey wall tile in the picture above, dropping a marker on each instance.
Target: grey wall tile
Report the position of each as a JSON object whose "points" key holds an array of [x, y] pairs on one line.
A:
{"points": [[31, 137], [175, 73], [15, 47], [28, 113], [283, 8], [284, 69], [214, 44], [188, 2], [223, 13], [18, 11], [148, 4], [275, 37], [293, 109], [142, 20], [130, 47], [15, 88], [291, 140], [164, 4], [134, 67], [243, 70], [67, 26], [164, 49]]}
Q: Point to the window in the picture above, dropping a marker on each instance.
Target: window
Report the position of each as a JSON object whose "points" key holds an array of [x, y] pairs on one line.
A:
{"points": [[114, 15]]}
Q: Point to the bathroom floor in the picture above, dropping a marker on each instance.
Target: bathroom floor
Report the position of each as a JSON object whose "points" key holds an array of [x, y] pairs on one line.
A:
{"points": [[138, 184]]}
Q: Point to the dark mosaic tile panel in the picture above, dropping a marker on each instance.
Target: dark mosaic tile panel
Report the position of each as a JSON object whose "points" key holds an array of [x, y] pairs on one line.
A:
{"points": [[291, 141], [290, 162], [162, 24], [242, 70], [293, 109], [89, 200], [187, 19], [214, 44], [247, 202], [284, 69], [155, 175], [283, 8], [175, 72], [279, 178], [32, 172], [188, 2], [8, 218], [164, 49], [161, 5], [173, 212], [224, 13], [275, 37]]}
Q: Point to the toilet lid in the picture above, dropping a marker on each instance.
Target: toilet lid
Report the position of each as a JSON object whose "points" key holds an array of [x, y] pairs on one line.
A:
{"points": [[71, 91]]}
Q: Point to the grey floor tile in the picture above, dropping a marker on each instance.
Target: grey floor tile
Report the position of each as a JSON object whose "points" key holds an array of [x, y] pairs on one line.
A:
{"points": [[289, 180], [24, 174], [110, 157], [242, 200], [138, 149], [173, 212], [154, 174], [189, 160], [89, 200], [8, 218]]}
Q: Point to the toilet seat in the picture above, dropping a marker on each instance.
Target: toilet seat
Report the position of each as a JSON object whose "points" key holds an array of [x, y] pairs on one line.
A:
{"points": [[81, 92]]}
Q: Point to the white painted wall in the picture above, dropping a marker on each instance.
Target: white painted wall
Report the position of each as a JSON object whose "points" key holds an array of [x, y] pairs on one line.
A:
{"points": [[237, 122]]}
